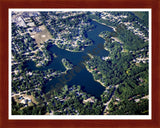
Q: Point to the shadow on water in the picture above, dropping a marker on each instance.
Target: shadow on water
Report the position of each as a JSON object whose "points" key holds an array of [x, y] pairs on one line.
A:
{"points": [[30, 65]]}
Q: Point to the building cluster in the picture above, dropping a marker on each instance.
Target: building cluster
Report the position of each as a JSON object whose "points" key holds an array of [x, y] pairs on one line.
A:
{"points": [[136, 31], [129, 25], [144, 60], [68, 34], [24, 18], [112, 18]]}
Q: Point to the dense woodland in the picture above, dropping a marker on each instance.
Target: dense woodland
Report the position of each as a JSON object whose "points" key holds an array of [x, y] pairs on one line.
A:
{"points": [[120, 69], [70, 101]]}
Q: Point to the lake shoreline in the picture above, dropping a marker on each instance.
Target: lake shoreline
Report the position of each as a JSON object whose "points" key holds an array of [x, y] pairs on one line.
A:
{"points": [[114, 28], [89, 70], [67, 49], [75, 57]]}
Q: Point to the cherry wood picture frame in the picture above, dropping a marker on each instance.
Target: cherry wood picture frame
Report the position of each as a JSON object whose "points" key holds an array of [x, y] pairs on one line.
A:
{"points": [[5, 5]]}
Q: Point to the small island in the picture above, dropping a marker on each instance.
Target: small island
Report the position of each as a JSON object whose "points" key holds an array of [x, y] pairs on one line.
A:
{"points": [[67, 64]]}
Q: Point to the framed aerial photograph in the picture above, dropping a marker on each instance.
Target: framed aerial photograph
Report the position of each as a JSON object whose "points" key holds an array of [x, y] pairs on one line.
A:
{"points": [[79, 64], [69, 63]]}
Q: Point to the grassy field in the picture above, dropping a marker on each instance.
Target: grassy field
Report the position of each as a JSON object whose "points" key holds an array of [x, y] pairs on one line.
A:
{"points": [[42, 36], [139, 14]]}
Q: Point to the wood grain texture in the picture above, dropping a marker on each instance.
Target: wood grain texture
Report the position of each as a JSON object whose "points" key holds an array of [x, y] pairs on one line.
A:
{"points": [[6, 4]]}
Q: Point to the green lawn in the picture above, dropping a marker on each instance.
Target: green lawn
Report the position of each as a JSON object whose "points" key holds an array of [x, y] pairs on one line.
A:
{"points": [[139, 14]]}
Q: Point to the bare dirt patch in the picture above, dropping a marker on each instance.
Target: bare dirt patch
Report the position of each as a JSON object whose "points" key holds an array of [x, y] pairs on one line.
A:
{"points": [[118, 40], [25, 96], [41, 36]]}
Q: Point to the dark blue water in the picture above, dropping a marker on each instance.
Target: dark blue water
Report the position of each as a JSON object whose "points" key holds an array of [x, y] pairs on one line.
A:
{"points": [[82, 78]]}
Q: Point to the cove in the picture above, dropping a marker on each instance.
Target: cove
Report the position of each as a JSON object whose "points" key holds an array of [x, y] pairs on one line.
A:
{"points": [[82, 78]]}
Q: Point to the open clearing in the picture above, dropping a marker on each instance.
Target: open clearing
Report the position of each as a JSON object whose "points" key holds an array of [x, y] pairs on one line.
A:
{"points": [[41, 36], [118, 40], [139, 14]]}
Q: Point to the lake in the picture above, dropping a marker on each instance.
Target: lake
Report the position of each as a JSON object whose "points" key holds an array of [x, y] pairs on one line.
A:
{"points": [[82, 78]]}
